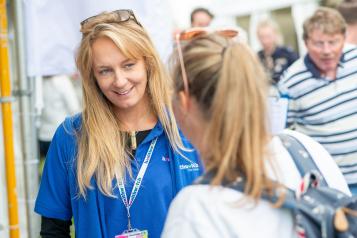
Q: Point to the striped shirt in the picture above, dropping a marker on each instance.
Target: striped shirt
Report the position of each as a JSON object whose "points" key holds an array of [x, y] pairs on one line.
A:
{"points": [[326, 109]]}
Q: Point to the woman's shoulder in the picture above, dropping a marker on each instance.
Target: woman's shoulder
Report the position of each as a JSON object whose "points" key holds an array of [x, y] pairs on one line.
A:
{"points": [[188, 150], [71, 124], [193, 198], [67, 132], [186, 142], [63, 148], [206, 195], [227, 212]]}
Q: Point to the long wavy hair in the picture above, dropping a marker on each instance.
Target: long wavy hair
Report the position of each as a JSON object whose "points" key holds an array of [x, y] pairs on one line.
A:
{"points": [[230, 86], [102, 152]]}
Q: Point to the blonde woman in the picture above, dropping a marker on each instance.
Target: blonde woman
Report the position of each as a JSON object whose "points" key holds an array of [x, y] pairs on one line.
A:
{"points": [[220, 104], [274, 56], [116, 167]]}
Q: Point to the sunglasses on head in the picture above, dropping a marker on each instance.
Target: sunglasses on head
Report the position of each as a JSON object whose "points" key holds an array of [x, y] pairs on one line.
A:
{"points": [[122, 15], [195, 33]]}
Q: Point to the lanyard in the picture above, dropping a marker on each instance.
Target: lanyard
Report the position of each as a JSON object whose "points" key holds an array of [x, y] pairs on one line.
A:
{"points": [[137, 182]]}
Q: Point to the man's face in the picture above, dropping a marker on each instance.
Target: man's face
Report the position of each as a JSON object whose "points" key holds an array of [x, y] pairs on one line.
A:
{"points": [[201, 19], [325, 50]]}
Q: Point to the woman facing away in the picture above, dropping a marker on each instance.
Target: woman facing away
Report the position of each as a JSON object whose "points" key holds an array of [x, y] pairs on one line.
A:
{"points": [[221, 108], [118, 164]]}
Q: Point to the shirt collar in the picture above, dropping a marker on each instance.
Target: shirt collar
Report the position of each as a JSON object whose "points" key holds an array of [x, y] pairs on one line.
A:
{"points": [[310, 65], [155, 132], [277, 52]]}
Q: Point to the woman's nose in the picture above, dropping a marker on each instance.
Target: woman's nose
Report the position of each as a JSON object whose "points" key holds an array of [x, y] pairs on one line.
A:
{"points": [[120, 79]]}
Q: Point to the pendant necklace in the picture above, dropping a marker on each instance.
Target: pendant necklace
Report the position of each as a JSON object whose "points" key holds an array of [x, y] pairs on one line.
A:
{"points": [[132, 134], [133, 144]]}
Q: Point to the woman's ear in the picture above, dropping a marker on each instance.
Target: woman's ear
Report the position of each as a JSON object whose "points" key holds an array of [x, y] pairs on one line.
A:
{"points": [[184, 102]]}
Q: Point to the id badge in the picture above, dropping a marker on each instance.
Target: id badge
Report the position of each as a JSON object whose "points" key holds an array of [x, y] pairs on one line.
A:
{"points": [[134, 233]]}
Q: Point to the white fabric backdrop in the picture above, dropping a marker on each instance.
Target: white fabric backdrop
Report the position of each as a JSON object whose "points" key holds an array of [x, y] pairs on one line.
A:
{"points": [[52, 29]]}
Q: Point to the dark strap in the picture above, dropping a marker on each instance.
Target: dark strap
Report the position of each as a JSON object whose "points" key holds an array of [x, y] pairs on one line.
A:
{"points": [[301, 157]]}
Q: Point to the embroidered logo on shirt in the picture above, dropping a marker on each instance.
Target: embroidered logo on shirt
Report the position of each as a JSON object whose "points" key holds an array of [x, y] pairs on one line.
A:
{"points": [[166, 159], [190, 167]]}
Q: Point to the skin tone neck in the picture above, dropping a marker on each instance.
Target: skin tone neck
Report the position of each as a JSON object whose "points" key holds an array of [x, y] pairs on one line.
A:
{"points": [[191, 120], [351, 36], [140, 118]]}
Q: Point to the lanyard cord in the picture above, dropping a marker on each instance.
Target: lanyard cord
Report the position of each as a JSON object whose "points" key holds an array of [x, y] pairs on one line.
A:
{"points": [[137, 183]]}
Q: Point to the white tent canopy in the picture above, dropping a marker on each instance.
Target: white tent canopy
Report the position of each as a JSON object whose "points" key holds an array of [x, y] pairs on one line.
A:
{"points": [[53, 29], [53, 26]]}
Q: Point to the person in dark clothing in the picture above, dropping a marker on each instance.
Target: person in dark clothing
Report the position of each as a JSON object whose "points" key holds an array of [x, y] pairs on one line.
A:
{"points": [[274, 57]]}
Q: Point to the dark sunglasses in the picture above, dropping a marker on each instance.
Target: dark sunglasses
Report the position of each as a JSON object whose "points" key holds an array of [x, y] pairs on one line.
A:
{"points": [[194, 33], [123, 15]]}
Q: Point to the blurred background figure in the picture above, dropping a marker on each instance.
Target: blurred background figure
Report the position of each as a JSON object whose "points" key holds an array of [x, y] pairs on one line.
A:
{"points": [[348, 9], [201, 17], [274, 57], [59, 101]]}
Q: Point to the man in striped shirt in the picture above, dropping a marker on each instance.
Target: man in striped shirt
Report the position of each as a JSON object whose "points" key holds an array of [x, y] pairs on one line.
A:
{"points": [[322, 90]]}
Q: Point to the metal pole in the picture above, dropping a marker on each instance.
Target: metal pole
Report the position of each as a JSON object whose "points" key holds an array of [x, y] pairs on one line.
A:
{"points": [[27, 125], [6, 101]]}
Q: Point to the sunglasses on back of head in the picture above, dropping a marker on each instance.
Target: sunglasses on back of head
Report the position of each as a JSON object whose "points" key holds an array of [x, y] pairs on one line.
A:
{"points": [[122, 15], [201, 31], [195, 33]]}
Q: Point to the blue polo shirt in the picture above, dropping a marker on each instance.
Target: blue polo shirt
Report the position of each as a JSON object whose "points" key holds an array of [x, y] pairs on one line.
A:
{"points": [[102, 216]]}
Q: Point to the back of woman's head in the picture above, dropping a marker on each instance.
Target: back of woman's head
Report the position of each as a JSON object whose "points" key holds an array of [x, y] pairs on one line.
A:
{"points": [[227, 81]]}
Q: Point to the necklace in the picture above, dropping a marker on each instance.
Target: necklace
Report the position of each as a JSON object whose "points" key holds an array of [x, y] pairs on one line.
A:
{"points": [[133, 143], [132, 134]]}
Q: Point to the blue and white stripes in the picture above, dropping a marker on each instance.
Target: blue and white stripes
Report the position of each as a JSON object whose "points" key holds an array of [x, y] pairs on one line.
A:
{"points": [[325, 109]]}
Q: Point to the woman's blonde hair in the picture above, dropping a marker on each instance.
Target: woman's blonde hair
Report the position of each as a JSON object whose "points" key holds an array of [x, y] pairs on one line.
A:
{"points": [[102, 153], [226, 79]]}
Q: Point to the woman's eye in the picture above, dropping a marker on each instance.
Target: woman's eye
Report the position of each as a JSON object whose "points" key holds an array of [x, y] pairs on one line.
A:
{"points": [[129, 65], [104, 72]]}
